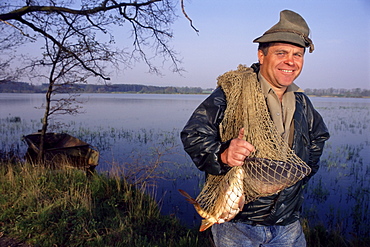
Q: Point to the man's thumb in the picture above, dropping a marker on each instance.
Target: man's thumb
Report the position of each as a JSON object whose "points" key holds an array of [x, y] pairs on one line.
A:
{"points": [[241, 134]]}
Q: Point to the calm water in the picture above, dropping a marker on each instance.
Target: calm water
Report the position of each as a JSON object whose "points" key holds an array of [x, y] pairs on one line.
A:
{"points": [[143, 130]]}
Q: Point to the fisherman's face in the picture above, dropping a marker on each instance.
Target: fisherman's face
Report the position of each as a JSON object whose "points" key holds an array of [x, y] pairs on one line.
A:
{"points": [[282, 64]]}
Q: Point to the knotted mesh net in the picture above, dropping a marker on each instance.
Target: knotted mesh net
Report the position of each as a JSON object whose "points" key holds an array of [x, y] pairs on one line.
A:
{"points": [[270, 169]]}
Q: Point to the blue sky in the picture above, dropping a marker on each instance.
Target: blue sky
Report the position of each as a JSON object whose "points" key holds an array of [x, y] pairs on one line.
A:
{"points": [[340, 30]]}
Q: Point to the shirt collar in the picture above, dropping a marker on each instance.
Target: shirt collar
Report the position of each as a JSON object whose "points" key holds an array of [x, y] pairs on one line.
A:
{"points": [[266, 87]]}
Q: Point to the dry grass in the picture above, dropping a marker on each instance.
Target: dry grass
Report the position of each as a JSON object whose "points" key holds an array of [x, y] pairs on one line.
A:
{"points": [[64, 207]]}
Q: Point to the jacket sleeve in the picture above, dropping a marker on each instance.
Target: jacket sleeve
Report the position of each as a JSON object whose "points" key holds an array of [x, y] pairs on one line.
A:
{"points": [[313, 132], [201, 137], [318, 134]]}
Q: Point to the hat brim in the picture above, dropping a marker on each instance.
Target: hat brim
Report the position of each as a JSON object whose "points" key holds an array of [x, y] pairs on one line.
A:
{"points": [[281, 37]]}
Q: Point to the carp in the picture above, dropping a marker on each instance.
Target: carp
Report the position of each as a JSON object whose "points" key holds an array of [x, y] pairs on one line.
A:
{"points": [[227, 206]]}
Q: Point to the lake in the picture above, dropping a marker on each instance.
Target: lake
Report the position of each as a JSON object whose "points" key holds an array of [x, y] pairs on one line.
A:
{"points": [[137, 131]]}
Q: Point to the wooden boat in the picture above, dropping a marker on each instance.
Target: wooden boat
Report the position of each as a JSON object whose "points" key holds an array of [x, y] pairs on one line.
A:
{"points": [[62, 149]]}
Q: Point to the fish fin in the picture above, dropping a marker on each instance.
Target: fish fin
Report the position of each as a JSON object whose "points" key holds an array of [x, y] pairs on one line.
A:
{"points": [[224, 215], [205, 225], [184, 193], [188, 197]]}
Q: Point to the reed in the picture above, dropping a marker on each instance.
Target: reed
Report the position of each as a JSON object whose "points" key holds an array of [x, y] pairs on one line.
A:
{"points": [[319, 236]]}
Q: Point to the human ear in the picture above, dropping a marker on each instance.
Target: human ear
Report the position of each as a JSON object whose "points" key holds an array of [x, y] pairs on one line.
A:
{"points": [[261, 56]]}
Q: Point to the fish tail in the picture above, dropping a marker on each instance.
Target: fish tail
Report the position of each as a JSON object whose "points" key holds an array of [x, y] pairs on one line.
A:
{"points": [[196, 205]]}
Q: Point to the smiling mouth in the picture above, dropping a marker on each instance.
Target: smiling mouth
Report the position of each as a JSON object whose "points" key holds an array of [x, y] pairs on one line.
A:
{"points": [[286, 70]]}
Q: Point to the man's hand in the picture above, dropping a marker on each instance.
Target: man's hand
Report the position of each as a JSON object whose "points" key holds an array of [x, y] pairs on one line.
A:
{"points": [[238, 150]]}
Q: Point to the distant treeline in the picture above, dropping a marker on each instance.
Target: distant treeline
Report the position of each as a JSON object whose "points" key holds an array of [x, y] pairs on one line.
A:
{"points": [[339, 92], [23, 87]]}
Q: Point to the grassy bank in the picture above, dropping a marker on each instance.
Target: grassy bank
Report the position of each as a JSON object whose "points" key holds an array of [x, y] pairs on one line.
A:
{"points": [[65, 208], [46, 207]]}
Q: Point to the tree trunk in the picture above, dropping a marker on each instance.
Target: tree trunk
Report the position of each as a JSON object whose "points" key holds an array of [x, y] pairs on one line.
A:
{"points": [[45, 123]]}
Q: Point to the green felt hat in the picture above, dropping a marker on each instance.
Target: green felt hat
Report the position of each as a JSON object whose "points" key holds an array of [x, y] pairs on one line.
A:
{"points": [[291, 28]]}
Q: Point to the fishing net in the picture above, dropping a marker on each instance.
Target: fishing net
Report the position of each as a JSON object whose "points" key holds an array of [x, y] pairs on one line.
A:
{"points": [[270, 169]]}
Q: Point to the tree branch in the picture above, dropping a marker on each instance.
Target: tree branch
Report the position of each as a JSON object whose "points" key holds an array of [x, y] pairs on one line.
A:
{"points": [[47, 35], [20, 30], [187, 17], [102, 8]]}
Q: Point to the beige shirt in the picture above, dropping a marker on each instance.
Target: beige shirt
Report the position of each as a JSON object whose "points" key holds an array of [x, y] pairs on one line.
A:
{"points": [[281, 112]]}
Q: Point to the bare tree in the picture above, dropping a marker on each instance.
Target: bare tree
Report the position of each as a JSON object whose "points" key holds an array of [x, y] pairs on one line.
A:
{"points": [[149, 22], [78, 40], [9, 40]]}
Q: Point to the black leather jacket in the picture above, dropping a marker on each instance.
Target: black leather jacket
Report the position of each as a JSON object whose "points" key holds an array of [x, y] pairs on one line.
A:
{"points": [[201, 140]]}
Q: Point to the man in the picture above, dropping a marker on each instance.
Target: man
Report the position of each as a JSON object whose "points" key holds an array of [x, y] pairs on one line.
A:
{"points": [[270, 220]]}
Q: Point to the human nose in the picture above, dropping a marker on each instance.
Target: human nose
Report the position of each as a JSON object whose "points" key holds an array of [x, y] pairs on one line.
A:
{"points": [[289, 60]]}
